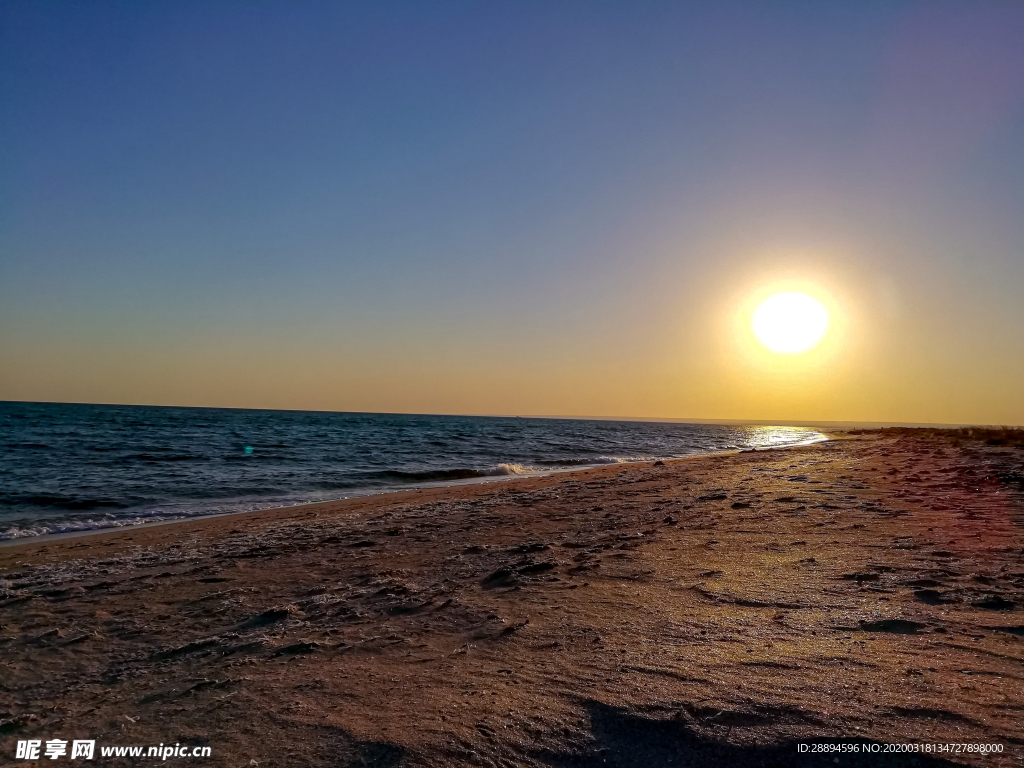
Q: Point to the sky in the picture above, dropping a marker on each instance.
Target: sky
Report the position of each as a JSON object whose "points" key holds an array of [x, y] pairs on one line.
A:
{"points": [[531, 208]]}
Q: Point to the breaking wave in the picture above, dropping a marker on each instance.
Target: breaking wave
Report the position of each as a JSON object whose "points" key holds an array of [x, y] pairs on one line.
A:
{"points": [[439, 475]]}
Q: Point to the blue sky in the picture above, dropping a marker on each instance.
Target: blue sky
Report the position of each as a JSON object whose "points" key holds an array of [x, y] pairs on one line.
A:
{"points": [[419, 204]]}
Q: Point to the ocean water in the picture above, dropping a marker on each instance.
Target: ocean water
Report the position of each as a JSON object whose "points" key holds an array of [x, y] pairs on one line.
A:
{"points": [[68, 467]]}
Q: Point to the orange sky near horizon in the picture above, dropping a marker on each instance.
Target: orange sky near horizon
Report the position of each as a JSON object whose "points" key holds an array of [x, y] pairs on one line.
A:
{"points": [[697, 359]]}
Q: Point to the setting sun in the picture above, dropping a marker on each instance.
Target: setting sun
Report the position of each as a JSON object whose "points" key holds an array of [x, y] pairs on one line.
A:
{"points": [[790, 322]]}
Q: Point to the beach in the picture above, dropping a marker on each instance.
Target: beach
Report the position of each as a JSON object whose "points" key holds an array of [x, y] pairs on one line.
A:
{"points": [[713, 610]]}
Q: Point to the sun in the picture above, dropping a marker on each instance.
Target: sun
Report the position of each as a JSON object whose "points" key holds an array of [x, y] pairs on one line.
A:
{"points": [[790, 323]]}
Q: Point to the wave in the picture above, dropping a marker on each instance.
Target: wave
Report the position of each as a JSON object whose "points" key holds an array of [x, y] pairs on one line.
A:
{"points": [[432, 475], [156, 457], [459, 473], [77, 525], [71, 526], [504, 469], [58, 501], [49, 527], [512, 469], [597, 460]]}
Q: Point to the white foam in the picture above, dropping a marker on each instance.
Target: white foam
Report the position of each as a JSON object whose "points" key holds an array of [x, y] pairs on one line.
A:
{"points": [[512, 469]]}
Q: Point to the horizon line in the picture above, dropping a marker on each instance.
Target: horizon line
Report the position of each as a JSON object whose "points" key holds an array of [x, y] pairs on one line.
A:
{"points": [[828, 423]]}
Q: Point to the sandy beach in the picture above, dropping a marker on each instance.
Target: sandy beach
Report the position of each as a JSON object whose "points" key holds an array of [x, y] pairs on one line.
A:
{"points": [[717, 610]]}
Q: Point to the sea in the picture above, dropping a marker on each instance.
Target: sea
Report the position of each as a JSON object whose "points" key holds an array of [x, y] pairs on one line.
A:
{"points": [[76, 467]]}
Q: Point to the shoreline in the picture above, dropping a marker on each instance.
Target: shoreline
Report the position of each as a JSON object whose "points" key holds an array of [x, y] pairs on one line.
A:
{"points": [[483, 480]]}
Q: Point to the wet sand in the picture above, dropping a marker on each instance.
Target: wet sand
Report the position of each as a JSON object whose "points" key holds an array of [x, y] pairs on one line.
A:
{"points": [[711, 611]]}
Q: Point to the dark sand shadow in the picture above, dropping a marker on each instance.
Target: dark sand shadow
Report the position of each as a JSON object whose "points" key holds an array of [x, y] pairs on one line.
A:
{"points": [[626, 740]]}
